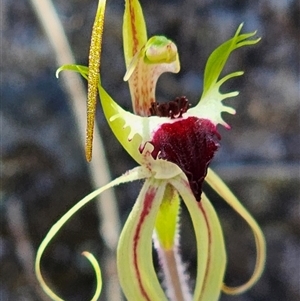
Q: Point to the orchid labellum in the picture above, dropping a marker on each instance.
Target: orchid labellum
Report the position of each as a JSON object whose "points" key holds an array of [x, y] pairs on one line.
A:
{"points": [[173, 145]]}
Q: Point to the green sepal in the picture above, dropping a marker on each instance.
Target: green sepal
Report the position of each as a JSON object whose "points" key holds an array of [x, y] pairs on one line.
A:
{"points": [[134, 30], [137, 173], [136, 272], [211, 254], [222, 189]]}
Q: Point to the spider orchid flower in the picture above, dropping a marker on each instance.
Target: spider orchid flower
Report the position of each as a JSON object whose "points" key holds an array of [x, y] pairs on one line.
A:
{"points": [[173, 144]]}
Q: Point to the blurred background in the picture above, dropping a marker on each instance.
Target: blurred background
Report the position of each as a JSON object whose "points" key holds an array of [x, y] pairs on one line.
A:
{"points": [[43, 167]]}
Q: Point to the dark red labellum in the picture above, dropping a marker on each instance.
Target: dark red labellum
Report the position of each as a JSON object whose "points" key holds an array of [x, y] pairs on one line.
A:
{"points": [[190, 143]]}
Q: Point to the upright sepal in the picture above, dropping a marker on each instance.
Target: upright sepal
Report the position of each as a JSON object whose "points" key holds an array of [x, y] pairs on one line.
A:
{"points": [[134, 30], [145, 59]]}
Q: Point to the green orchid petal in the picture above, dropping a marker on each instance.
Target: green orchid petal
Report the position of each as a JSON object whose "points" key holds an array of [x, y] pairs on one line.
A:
{"points": [[127, 127], [132, 175], [134, 132], [118, 120], [221, 188], [134, 254], [217, 254], [210, 105], [167, 219], [211, 254], [219, 57]]}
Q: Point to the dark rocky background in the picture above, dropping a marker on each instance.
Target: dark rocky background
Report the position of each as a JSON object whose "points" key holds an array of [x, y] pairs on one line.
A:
{"points": [[43, 170]]}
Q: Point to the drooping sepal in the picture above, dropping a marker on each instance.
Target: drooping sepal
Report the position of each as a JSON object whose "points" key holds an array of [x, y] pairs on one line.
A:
{"points": [[222, 189], [210, 105], [134, 254], [211, 254], [132, 175]]}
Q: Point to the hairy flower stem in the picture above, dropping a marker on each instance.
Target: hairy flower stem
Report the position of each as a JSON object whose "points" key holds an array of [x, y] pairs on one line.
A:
{"points": [[175, 280]]}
